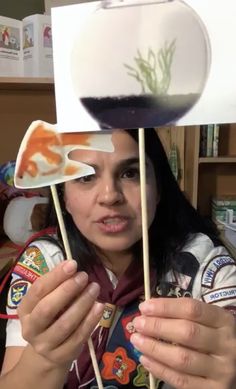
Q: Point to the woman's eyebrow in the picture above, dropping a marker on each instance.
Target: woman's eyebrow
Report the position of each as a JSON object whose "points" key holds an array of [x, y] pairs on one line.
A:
{"points": [[131, 161], [127, 162], [120, 164]]}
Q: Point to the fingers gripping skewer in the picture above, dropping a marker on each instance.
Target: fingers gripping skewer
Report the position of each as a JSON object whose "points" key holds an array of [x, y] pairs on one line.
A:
{"points": [[69, 256], [147, 288]]}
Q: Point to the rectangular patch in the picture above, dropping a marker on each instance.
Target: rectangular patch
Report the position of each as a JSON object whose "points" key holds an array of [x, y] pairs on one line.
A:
{"points": [[25, 273], [212, 268], [227, 293]]}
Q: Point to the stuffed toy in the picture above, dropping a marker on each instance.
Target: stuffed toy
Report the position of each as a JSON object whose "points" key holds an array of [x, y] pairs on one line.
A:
{"points": [[23, 212]]}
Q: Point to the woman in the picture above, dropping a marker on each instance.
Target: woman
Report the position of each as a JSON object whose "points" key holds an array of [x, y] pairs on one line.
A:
{"points": [[183, 342]]}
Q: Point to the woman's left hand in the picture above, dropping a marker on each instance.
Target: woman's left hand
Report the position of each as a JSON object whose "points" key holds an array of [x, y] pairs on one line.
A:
{"points": [[187, 343]]}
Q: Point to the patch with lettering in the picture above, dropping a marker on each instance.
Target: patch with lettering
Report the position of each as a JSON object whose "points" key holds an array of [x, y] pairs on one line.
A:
{"points": [[117, 366], [227, 293], [213, 267], [33, 260], [16, 292], [24, 273], [142, 378]]}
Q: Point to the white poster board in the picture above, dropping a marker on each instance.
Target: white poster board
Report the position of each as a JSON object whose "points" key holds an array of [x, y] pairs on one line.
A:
{"points": [[100, 53]]}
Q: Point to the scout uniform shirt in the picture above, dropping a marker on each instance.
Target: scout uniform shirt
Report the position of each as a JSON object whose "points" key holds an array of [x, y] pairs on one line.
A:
{"points": [[202, 271]]}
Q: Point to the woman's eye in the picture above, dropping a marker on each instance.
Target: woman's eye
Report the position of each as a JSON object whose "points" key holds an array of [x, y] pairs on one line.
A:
{"points": [[85, 179], [131, 173]]}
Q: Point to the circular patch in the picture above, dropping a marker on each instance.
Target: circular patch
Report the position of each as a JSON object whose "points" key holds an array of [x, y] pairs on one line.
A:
{"points": [[16, 292]]}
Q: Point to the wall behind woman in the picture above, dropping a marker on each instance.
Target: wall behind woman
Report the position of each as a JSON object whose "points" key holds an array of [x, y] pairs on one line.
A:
{"points": [[57, 3], [18, 9]]}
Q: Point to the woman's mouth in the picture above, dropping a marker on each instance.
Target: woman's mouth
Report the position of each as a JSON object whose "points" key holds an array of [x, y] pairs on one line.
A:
{"points": [[113, 224]]}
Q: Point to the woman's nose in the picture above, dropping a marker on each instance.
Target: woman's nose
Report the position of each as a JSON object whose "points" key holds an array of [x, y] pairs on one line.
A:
{"points": [[110, 193]]}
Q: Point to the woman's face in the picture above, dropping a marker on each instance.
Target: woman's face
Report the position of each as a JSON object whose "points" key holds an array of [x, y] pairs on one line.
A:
{"points": [[106, 206]]}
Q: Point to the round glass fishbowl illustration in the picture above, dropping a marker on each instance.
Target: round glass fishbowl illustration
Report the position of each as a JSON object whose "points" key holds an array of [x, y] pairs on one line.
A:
{"points": [[140, 63]]}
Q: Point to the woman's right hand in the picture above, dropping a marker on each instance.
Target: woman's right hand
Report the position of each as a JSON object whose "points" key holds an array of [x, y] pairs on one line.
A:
{"points": [[59, 312]]}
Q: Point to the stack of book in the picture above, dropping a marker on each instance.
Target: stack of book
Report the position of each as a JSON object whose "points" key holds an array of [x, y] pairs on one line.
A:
{"points": [[209, 140], [220, 205]]}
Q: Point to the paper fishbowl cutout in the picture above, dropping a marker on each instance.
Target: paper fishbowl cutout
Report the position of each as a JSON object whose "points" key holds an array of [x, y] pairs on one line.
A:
{"points": [[43, 158], [141, 63]]}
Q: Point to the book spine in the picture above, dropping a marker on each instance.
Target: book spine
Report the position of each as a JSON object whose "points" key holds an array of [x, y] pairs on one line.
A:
{"points": [[203, 141], [210, 129], [216, 140]]}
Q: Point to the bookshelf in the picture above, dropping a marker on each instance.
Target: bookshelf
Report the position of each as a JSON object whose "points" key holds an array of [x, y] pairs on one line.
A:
{"points": [[23, 100], [209, 176], [201, 178], [26, 83]]}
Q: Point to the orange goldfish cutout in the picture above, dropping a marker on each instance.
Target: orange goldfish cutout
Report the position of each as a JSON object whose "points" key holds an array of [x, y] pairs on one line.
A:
{"points": [[43, 159]]}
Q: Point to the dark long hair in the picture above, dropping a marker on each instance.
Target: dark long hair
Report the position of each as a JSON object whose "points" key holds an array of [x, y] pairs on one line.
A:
{"points": [[175, 219]]}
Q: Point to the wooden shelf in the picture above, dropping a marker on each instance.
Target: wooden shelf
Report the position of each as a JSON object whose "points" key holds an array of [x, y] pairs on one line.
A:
{"points": [[228, 159], [207, 177], [23, 100], [26, 83]]}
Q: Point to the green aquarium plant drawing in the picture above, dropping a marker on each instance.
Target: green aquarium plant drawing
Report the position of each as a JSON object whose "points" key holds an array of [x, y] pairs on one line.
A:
{"points": [[154, 72]]}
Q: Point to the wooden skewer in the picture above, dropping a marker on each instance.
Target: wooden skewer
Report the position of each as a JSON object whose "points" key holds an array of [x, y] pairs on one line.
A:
{"points": [[61, 221], [142, 164], [69, 256]]}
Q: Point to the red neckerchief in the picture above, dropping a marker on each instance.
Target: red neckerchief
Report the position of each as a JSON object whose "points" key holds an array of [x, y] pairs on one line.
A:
{"points": [[129, 288]]}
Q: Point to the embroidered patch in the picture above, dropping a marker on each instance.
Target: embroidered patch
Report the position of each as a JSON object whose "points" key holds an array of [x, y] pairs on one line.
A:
{"points": [[228, 293], [117, 366], [212, 268], [24, 273], [108, 315], [142, 378], [16, 292], [127, 324], [168, 290], [33, 260]]}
